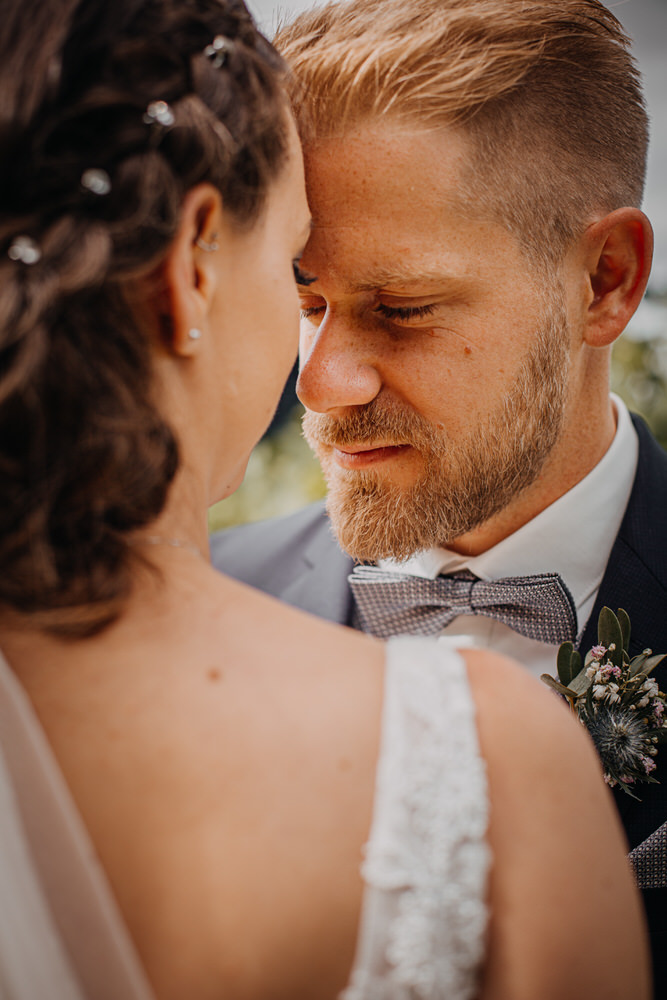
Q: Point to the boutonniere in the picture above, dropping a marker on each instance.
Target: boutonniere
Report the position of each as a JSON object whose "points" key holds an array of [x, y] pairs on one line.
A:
{"points": [[617, 701]]}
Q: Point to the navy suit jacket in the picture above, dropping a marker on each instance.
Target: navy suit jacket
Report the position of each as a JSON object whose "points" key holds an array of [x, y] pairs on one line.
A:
{"points": [[297, 559]]}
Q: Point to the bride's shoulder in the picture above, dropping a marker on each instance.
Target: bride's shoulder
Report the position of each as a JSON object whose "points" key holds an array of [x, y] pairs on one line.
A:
{"points": [[541, 764], [520, 718], [556, 839]]}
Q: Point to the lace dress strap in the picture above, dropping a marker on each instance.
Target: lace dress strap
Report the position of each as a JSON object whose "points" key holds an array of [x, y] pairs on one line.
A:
{"points": [[426, 862]]}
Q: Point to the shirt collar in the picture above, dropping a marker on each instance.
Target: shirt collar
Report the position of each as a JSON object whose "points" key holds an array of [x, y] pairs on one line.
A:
{"points": [[573, 536]]}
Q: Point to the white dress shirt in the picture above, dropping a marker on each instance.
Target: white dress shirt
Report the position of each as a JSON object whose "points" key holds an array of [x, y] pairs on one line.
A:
{"points": [[573, 537]]}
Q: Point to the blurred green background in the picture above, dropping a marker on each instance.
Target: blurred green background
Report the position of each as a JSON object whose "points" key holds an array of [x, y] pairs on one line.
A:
{"points": [[639, 375], [283, 475]]}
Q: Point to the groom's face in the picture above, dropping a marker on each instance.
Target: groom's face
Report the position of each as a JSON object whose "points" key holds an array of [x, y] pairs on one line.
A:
{"points": [[434, 360]]}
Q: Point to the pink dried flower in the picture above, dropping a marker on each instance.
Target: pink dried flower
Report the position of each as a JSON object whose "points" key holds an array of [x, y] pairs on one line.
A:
{"points": [[649, 764]]}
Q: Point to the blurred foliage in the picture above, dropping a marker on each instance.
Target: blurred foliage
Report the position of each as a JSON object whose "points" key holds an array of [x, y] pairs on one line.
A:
{"points": [[639, 376], [283, 474]]}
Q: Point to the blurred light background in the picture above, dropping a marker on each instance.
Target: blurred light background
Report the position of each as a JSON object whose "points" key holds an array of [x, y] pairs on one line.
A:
{"points": [[282, 474]]}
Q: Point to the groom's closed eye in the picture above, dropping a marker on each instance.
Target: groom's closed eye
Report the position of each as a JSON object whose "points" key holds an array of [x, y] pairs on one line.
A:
{"points": [[404, 312], [312, 306]]}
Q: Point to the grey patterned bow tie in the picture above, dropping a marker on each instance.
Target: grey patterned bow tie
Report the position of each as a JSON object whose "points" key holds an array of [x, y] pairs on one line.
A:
{"points": [[390, 603], [649, 860]]}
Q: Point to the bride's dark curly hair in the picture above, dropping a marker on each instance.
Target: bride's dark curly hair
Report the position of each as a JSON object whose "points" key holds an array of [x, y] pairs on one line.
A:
{"points": [[85, 457]]}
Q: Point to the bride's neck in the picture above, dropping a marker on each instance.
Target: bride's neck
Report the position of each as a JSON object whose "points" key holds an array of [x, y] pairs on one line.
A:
{"points": [[176, 545], [184, 518]]}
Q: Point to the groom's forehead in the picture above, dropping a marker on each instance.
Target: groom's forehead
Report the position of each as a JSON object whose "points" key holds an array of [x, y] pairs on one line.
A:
{"points": [[399, 192], [393, 159], [384, 250]]}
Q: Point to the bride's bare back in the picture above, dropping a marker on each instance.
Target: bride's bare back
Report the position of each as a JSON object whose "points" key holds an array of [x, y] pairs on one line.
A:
{"points": [[227, 782]]}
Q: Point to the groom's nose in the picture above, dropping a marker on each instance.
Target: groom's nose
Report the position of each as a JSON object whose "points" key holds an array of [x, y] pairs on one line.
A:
{"points": [[337, 367]]}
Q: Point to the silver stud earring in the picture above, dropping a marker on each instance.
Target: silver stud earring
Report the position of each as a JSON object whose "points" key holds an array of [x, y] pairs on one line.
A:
{"points": [[194, 333], [207, 247]]}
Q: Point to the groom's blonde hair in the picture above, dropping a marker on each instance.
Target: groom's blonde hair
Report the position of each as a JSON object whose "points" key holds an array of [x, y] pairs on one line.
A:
{"points": [[546, 91]]}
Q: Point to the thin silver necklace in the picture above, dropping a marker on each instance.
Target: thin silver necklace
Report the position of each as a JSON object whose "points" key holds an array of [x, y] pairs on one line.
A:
{"points": [[175, 543]]}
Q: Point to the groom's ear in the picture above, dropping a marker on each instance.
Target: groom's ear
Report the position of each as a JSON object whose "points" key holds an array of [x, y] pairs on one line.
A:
{"points": [[188, 272], [618, 250]]}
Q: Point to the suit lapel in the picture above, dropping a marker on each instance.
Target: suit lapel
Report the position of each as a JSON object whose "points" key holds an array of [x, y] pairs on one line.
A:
{"points": [[636, 574], [321, 587], [636, 580], [630, 585]]}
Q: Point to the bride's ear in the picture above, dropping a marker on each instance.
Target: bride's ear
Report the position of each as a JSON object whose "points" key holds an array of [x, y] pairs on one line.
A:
{"points": [[189, 274]]}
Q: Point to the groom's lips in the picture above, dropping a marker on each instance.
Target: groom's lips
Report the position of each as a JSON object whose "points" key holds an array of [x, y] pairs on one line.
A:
{"points": [[362, 455]]}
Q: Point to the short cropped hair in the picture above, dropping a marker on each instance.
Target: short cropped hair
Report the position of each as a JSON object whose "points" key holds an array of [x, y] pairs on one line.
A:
{"points": [[546, 91]]}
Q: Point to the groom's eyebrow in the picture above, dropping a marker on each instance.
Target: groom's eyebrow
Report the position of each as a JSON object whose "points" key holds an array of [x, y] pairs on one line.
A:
{"points": [[384, 278]]}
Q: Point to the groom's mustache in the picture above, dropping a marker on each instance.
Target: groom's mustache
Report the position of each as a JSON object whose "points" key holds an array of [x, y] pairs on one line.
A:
{"points": [[380, 422]]}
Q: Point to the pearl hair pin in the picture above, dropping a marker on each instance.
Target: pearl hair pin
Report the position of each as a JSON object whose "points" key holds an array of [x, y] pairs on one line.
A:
{"points": [[218, 50], [159, 113], [25, 250], [96, 181]]}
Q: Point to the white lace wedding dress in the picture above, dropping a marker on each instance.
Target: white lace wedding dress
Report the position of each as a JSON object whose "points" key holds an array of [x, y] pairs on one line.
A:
{"points": [[425, 866]]}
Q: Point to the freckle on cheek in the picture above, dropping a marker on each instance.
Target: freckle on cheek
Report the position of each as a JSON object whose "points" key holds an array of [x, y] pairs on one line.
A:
{"points": [[214, 674], [467, 350]]}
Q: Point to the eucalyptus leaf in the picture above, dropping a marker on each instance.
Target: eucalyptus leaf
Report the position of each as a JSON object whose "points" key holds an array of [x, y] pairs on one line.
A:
{"points": [[581, 684], [637, 663], [610, 634], [624, 622], [560, 688], [564, 663], [654, 660], [650, 663]]}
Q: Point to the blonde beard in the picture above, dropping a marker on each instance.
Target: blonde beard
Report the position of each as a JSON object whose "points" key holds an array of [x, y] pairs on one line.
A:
{"points": [[463, 484]]}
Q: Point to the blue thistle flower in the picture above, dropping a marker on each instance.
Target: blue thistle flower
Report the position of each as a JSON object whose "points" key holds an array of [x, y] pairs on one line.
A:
{"points": [[622, 740], [616, 699]]}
